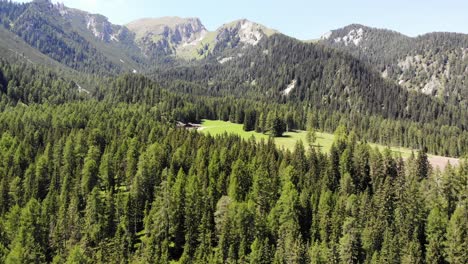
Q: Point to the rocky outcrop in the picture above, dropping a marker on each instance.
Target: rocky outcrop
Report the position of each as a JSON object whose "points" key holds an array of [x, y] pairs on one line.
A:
{"points": [[242, 32], [96, 24], [168, 34]]}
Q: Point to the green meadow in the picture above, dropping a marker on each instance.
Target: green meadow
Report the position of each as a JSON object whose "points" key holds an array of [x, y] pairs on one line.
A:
{"points": [[287, 141]]}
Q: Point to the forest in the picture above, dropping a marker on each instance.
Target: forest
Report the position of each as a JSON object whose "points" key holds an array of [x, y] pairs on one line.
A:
{"points": [[94, 167], [110, 183], [108, 178]]}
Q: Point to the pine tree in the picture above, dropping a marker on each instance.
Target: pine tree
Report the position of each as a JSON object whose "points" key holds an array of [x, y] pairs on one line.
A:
{"points": [[94, 226], [77, 256], [284, 219], [435, 231], [158, 222], [28, 244], [240, 181], [349, 242], [192, 216], [457, 235], [278, 127], [4, 197], [310, 127], [90, 173], [261, 251], [423, 165]]}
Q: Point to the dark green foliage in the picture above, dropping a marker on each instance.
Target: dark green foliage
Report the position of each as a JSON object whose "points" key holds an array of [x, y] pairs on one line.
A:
{"points": [[457, 233], [108, 177], [196, 198], [357, 89], [278, 127], [65, 38], [412, 62], [24, 84], [249, 120]]}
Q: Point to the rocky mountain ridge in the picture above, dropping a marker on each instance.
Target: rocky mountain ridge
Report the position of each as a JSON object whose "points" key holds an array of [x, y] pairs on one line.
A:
{"points": [[434, 63]]}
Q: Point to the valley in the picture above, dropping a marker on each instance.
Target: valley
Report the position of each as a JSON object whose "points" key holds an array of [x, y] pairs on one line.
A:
{"points": [[324, 141], [172, 139]]}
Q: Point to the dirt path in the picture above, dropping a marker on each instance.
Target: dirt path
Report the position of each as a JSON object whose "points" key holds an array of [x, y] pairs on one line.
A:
{"points": [[441, 162]]}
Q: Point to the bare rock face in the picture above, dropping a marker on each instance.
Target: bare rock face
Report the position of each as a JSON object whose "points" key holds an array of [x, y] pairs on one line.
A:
{"points": [[188, 38], [433, 64], [242, 31], [167, 35], [354, 36], [96, 24], [239, 34], [101, 28]]}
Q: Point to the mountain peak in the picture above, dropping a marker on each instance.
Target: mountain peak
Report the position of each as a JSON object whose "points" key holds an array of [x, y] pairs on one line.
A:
{"points": [[355, 35], [244, 23], [145, 26], [247, 31], [166, 35]]}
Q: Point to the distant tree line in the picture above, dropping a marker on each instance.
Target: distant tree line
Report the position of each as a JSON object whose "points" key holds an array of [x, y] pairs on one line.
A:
{"points": [[23, 84]]}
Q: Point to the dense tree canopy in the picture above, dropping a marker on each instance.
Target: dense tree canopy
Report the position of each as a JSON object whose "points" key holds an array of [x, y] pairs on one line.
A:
{"points": [[102, 182], [105, 176]]}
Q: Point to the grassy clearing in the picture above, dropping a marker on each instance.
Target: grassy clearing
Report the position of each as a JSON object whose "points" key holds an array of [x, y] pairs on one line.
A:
{"points": [[288, 141]]}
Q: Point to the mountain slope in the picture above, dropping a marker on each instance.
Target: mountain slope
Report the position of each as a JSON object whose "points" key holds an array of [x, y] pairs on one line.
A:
{"points": [[282, 69], [250, 60], [90, 43], [13, 48], [70, 37], [187, 38], [435, 63], [167, 35]]}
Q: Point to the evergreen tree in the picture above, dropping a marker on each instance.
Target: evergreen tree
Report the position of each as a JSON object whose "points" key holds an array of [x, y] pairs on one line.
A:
{"points": [[278, 127], [310, 127], [349, 242], [422, 164], [436, 226], [28, 244], [457, 236]]}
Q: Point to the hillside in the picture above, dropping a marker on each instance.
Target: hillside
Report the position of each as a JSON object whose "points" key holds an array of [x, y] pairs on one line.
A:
{"points": [[78, 40], [96, 182], [285, 70], [112, 175], [248, 62], [188, 39], [434, 64], [89, 43]]}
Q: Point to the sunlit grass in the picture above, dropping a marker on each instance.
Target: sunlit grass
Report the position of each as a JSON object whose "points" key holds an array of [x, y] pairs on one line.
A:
{"points": [[288, 140]]}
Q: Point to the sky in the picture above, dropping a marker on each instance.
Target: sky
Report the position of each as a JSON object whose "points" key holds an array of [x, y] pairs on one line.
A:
{"points": [[302, 19]]}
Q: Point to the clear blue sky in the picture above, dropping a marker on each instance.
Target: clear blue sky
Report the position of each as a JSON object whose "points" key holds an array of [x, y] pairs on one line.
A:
{"points": [[303, 19]]}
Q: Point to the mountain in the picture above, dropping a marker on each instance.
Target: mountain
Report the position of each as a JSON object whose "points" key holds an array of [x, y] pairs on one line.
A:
{"points": [[167, 35], [90, 43], [122, 173], [238, 34], [187, 38], [435, 63], [79, 40], [284, 70]]}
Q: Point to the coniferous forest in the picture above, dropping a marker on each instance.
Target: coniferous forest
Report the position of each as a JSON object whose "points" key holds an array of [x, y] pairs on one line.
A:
{"points": [[112, 180], [101, 160]]}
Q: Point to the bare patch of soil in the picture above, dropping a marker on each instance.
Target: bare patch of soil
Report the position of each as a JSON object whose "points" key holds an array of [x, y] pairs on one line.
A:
{"points": [[441, 162]]}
